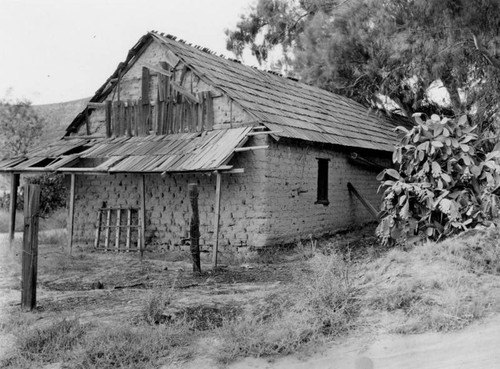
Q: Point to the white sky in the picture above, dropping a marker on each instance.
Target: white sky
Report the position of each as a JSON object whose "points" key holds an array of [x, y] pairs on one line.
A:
{"points": [[61, 50]]}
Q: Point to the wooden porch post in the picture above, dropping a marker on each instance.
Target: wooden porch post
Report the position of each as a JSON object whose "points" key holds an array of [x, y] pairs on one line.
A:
{"points": [[30, 246], [14, 184], [71, 213], [217, 219], [143, 213]]}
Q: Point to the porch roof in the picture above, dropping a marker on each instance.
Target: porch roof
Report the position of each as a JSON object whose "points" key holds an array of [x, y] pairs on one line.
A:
{"points": [[185, 152]]}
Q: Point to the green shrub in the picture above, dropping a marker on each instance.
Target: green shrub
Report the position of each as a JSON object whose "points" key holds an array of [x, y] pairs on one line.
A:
{"points": [[444, 183], [53, 193]]}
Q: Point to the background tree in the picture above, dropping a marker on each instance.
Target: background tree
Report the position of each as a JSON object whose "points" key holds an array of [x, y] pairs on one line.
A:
{"points": [[20, 127], [366, 49]]}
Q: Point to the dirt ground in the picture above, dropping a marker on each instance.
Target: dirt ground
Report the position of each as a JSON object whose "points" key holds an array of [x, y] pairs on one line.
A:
{"points": [[111, 288]]}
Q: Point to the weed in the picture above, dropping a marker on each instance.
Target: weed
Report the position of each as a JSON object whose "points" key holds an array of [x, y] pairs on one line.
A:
{"points": [[153, 311]]}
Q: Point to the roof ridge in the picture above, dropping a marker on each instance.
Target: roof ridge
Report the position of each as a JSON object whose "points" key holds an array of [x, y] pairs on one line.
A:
{"points": [[210, 52]]}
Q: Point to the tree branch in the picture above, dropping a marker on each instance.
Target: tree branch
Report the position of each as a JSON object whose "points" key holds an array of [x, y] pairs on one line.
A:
{"points": [[494, 62]]}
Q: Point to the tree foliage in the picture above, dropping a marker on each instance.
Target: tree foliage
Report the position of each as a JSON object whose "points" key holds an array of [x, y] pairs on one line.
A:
{"points": [[53, 193], [20, 127], [444, 184], [396, 48]]}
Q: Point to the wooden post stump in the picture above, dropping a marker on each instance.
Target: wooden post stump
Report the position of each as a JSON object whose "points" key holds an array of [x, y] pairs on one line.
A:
{"points": [[30, 246], [195, 227]]}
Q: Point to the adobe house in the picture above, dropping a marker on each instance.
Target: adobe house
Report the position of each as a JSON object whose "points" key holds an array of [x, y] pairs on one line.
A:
{"points": [[272, 157]]}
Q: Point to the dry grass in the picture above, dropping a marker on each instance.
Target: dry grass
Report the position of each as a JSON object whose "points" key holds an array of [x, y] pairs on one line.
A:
{"points": [[56, 220], [138, 347], [435, 286], [43, 345], [321, 304]]}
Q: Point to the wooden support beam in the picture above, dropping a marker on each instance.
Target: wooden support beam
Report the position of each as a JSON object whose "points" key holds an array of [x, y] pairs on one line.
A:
{"points": [[184, 92], [233, 171], [250, 148], [108, 228], [117, 229], [91, 137], [216, 219], [129, 228], [258, 133], [96, 105], [371, 209], [142, 189], [71, 213], [145, 85], [30, 246], [98, 229], [87, 121], [172, 59], [14, 184], [158, 70], [108, 119]]}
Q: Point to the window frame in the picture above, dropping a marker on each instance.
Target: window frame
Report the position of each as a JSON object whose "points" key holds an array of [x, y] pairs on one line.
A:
{"points": [[322, 181]]}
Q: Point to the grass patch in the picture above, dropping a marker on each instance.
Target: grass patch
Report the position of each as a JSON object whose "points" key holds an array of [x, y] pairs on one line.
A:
{"points": [[57, 238], [321, 304], [56, 220], [47, 344], [435, 286], [137, 346]]}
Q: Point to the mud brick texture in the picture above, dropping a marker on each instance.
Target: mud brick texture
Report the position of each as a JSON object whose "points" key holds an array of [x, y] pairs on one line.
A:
{"points": [[272, 202]]}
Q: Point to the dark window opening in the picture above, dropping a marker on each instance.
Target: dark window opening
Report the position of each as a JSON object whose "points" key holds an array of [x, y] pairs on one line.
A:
{"points": [[323, 182]]}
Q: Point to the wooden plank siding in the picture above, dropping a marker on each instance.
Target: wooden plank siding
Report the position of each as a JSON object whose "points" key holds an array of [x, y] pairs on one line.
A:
{"points": [[171, 113]]}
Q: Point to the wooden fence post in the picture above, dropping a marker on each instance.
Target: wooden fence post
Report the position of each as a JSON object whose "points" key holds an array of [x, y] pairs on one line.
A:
{"points": [[142, 214], [195, 227], [71, 219], [14, 184], [30, 246], [215, 249]]}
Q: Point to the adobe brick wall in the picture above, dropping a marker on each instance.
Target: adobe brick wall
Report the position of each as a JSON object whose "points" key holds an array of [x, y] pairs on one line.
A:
{"points": [[168, 209], [273, 202], [291, 190]]}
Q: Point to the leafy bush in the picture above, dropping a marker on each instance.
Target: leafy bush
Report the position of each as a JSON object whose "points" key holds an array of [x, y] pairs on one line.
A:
{"points": [[444, 184], [53, 193]]}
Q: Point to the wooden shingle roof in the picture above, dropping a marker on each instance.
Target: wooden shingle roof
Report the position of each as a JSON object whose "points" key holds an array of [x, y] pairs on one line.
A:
{"points": [[294, 109]]}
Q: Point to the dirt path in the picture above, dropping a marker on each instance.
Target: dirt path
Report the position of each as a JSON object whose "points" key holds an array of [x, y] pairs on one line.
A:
{"points": [[477, 346]]}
